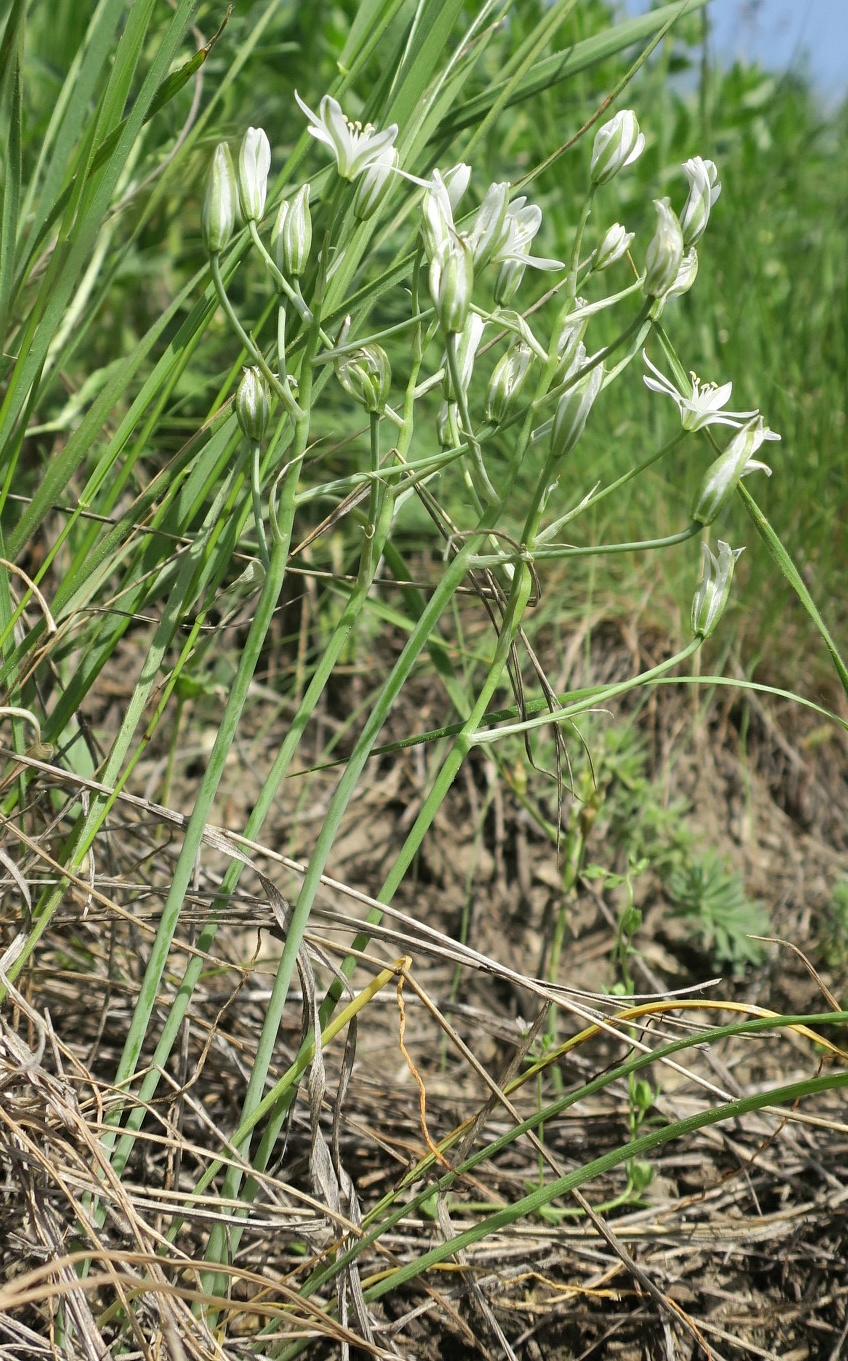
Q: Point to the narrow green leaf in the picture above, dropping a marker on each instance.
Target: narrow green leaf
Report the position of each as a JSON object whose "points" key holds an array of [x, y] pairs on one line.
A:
{"points": [[560, 66]]}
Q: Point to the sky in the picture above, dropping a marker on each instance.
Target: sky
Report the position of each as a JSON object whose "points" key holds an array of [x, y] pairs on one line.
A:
{"points": [[780, 33]]}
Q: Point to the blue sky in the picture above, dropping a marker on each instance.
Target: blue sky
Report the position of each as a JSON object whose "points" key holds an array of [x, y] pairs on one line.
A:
{"points": [[780, 34]]}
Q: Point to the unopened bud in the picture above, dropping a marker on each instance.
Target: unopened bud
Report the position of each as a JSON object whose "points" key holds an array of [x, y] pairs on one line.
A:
{"points": [[291, 238], [252, 404], [724, 474], [253, 166], [219, 204], [569, 339], [665, 251], [575, 405], [374, 184], [507, 381], [615, 242], [617, 144], [704, 189], [712, 595], [366, 375], [451, 283]]}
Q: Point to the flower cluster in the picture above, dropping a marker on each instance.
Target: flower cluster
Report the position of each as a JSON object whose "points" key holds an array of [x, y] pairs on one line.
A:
{"points": [[457, 251]]}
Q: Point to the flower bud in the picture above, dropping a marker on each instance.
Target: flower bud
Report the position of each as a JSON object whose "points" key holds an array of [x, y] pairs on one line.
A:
{"points": [[575, 405], [723, 476], [219, 204], [614, 243], [467, 345], [617, 144], [711, 596], [252, 404], [704, 189], [291, 239], [366, 375], [569, 339], [253, 166], [665, 251], [451, 282], [488, 230], [374, 184], [507, 283], [507, 381], [686, 275]]}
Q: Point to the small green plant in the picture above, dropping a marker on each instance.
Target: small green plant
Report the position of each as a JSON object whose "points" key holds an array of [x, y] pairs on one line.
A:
{"points": [[835, 933], [721, 917]]}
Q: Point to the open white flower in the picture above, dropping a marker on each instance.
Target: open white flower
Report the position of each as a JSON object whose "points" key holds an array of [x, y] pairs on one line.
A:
{"points": [[704, 407], [521, 224], [520, 227], [355, 147]]}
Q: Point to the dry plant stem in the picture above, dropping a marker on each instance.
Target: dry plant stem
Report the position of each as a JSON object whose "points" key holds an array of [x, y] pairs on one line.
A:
{"points": [[395, 1207]]}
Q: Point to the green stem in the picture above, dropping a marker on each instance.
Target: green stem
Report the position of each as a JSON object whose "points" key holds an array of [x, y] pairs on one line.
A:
{"points": [[793, 576], [256, 500], [487, 735], [478, 467], [249, 344], [590, 551], [553, 529], [184, 868], [282, 283]]}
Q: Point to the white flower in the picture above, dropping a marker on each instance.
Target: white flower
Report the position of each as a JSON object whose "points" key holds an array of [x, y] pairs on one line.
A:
{"points": [[456, 181], [617, 144], [437, 212], [513, 254], [355, 147], [725, 473], [575, 404], [704, 189], [704, 407], [253, 166], [711, 596], [614, 243], [374, 183], [468, 343], [686, 275], [664, 255], [520, 227], [489, 230]]}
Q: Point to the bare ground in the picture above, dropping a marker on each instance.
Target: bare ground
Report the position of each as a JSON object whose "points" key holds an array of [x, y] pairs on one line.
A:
{"points": [[737, 1244]]}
